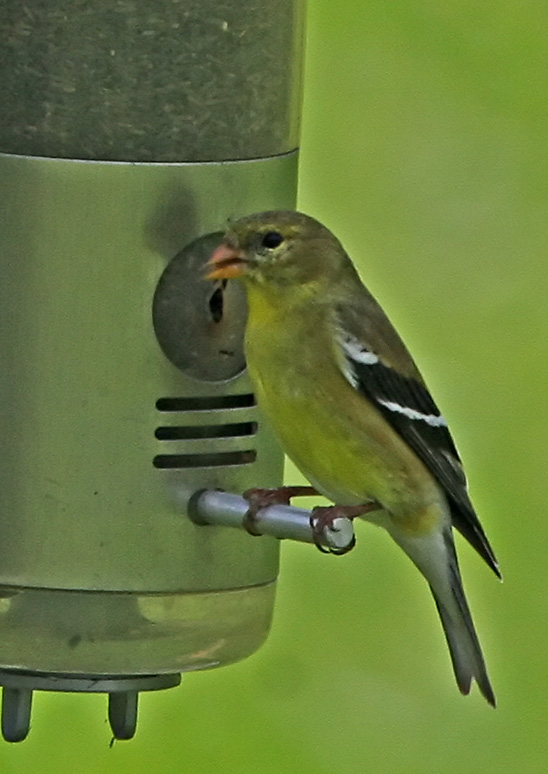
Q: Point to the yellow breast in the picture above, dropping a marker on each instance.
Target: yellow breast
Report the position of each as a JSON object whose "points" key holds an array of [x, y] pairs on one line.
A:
{"points": [[334, 435]]}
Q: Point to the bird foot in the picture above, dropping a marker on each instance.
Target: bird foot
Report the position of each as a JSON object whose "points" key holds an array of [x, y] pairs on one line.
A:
{"points": [[260, 498], [323, 517]]}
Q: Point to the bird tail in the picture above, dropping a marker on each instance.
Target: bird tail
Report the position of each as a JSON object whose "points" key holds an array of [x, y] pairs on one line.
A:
{"points": [[436, 557]]}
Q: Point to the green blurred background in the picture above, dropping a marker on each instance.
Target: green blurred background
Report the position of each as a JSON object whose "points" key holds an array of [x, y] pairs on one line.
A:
{"points": [[424, 149]]}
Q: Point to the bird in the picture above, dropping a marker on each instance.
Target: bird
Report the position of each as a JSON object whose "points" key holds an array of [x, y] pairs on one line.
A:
{"points": [[351, 409]]}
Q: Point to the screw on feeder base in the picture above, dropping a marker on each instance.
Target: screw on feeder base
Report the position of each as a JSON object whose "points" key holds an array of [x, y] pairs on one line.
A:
{"points": [[122, 714], [280, 521], [16, 709]]}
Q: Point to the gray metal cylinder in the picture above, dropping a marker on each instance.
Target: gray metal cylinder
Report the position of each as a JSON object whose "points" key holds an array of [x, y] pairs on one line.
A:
{"points": [[108, 438], [86, 386], [129, 134]]}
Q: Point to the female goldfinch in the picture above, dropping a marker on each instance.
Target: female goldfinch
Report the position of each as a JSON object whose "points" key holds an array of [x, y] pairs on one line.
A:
{"points": [[351, 408]]}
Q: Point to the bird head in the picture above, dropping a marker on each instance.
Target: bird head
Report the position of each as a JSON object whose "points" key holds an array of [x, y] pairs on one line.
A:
{"points": [[277, 249]]}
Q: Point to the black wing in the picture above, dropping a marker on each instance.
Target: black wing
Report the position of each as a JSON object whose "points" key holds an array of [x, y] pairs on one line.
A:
{"points": [[409, 408]]}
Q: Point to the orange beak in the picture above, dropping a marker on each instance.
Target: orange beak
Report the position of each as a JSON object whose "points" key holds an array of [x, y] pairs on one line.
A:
{"points": [[225, 263]]}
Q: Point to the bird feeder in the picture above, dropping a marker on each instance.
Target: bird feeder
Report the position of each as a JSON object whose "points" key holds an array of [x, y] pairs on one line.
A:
{"points": [[129, 134]]}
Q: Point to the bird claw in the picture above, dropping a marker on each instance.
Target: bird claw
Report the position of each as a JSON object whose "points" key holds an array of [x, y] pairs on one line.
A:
{"points": [[249, 522], [261, 498], [323, 517]]}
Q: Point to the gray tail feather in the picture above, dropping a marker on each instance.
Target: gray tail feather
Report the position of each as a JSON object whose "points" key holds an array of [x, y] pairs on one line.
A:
{"points": [[464, 646], [436, 558]]}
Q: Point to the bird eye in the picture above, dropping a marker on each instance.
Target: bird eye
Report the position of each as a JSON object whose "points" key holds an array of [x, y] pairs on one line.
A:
{"points": [[271, 239]]}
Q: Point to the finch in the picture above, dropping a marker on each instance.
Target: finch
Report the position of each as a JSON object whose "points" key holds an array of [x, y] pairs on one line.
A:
{"points": [[351, 409]]}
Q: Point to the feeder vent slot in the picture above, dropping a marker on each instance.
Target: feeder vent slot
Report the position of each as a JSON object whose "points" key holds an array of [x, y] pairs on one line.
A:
{"points": [[206, 431]]}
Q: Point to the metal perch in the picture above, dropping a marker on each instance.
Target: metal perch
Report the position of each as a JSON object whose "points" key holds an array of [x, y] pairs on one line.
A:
{"points": [[280, 521]]}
